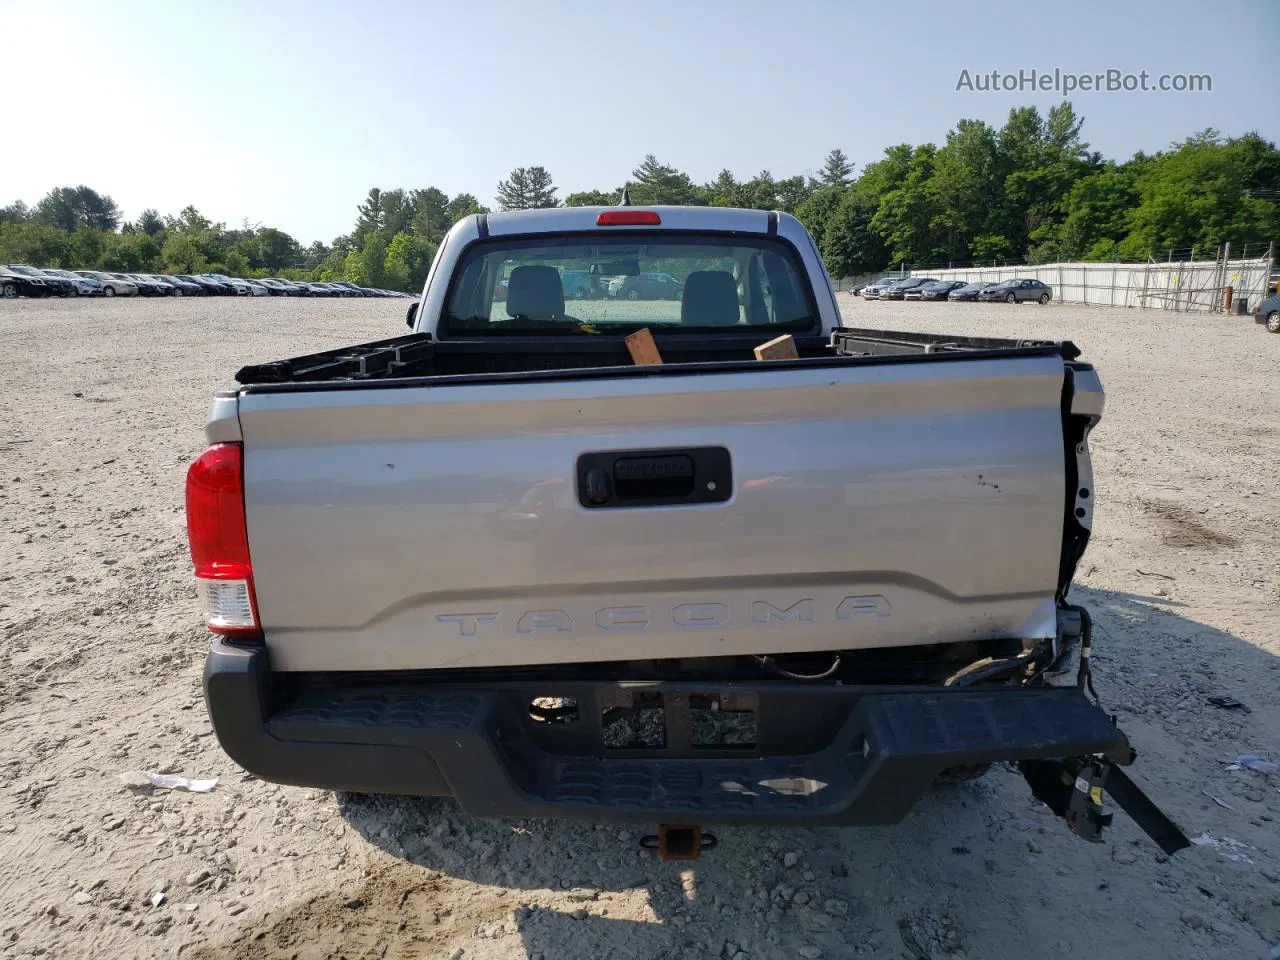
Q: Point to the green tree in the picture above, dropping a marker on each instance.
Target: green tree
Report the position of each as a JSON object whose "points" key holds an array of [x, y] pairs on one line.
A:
{"points": [[850, 244], [397, 211], [967, 184], [655, 183], [369, 215], [816, 213], [353, 268], [431, 214], [315, 255], [1198, 195], [149, 222], [725, 191], [906, 215], [64, 207], [527, 188], [35, 243], [274, 249], [189, 219], [593, 198], [407, 261], [131, 253], [87, 245], [792, 192], [837, 170], [990, 247], [15, 212], [375, 259], [463, 205], [334, 266], [1096, 212], [181, 253]]}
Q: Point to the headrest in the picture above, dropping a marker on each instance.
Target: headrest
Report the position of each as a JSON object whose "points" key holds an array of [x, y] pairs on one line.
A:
{"points": [[535, 292], [710, 299]]}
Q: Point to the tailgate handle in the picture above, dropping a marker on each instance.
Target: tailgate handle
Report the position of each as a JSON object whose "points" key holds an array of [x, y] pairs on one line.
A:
{"points": [[651, 478]]}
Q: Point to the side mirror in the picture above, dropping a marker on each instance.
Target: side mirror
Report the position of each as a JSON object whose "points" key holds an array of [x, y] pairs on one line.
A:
{"points": [[412, 317]]}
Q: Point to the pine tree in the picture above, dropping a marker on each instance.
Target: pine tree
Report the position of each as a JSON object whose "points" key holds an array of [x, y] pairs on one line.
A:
{"points": [[837, 171], [656, 183], [527, 188], [370, 214]]}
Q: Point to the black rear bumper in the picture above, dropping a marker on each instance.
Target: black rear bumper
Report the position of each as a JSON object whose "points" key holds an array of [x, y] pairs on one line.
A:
{"points": [[854, 755]]}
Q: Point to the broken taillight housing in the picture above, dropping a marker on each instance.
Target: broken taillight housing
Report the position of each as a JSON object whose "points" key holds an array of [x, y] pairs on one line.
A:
{"points": [[219, 539]]}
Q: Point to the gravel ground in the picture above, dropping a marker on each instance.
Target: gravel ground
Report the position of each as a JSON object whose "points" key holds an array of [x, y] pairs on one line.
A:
{"points": [[102, 647]]}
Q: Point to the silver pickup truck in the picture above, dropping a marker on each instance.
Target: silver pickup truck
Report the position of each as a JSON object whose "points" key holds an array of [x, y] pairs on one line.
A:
{"points": [[496, 559]]}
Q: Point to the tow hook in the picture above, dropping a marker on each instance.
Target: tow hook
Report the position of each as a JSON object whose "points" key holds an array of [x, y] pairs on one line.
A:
{"points": [[1074, 788], [676, 841]]}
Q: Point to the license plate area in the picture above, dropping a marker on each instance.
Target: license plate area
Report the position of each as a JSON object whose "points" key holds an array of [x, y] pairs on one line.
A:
{"points": [[645, 720]]}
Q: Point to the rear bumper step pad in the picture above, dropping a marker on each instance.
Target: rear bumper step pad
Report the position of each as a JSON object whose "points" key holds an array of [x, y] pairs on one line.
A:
{"points": [[468, 743]]}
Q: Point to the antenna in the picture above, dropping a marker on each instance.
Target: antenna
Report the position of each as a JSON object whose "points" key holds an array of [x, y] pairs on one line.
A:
{"points": [[625, 201]]}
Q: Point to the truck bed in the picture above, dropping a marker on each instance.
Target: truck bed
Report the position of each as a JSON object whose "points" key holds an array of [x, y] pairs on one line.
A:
{"points": [[417, 355]]}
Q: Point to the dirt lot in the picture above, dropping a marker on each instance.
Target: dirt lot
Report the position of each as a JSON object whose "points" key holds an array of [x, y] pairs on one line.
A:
{"points": [[103, 405]]}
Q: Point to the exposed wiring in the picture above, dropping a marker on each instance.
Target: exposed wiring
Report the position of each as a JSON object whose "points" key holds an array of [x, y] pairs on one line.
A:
{"points": [[990, 668], [1084, 679], [772, 665]]}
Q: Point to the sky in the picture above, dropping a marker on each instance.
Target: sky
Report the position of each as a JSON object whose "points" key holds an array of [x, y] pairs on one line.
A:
{"points": [[285, 112]]}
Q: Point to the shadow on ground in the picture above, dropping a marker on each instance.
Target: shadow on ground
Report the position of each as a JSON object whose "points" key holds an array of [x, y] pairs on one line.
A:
{"points": [[979, 868]]}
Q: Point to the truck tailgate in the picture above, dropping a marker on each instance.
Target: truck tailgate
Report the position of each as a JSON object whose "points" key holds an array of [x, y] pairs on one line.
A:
{"points": [[396, 527]]}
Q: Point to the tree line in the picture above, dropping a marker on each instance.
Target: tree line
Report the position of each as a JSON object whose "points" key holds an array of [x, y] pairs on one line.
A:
{"points": [[1030, 190]]}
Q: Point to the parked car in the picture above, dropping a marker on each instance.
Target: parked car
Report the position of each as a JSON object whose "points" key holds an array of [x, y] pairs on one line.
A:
{"points": [[581, 285], [873, 290], [211, 288], [146, 287], [112, 285], [85, 286], [61, 285], [649, 286], [256, 289], [1018, 291], [166, 287], [239, 287], [16, 283], [969, 291], [56, 286], [283, 287], [938, 290], [900, 289], [182, 288], [1268, 313]]}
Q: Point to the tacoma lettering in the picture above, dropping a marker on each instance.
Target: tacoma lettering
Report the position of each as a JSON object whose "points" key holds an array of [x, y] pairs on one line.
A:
{"points": [[536, 620], [702, 615], [622, 618], [762, 611]]}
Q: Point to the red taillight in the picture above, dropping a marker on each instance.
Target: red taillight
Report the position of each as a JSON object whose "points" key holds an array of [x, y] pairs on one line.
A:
{"points": [[219, 538], [628, 218]]}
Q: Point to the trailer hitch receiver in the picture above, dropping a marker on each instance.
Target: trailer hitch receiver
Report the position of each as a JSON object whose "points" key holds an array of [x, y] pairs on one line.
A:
{"points": [[675, 841]]}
